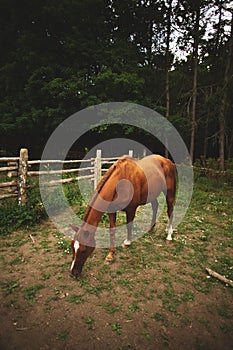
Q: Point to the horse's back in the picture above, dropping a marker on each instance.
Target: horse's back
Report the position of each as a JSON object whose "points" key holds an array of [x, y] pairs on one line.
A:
{"points": [[161, 169]]}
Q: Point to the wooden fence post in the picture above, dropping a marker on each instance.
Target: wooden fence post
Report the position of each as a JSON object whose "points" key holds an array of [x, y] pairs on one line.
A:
{"points": [[23, 169], [97, 171], [131, 153]]}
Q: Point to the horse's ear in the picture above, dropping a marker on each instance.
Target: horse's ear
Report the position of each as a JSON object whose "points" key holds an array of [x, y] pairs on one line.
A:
{"points": [[75, 228]]}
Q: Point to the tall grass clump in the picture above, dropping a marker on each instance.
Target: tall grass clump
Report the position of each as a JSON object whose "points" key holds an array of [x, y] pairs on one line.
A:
{"points": [[13, 216]]}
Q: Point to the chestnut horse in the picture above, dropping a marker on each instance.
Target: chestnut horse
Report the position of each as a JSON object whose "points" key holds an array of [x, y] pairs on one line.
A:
{"points": [[127, 184]]}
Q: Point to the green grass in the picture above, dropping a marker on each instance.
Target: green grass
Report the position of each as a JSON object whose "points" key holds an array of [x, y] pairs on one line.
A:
{"points": [[63, 335], [30, 292], [116, 327]]}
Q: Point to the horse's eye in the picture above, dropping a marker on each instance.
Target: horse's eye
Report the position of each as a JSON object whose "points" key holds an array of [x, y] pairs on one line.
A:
{"points": [[86, 234]]}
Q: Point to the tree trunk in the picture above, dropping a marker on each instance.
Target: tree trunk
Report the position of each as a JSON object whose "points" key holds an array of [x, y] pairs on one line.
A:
{"points": [[195, 68], [167, 68], [223, 106], [208, 95]]}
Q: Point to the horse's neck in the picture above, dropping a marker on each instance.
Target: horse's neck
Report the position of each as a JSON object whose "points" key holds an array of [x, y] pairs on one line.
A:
{"points": [[93, 218], [98, 205]]}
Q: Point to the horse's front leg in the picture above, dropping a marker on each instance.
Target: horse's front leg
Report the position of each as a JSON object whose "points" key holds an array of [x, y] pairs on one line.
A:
{"points": [[112, 250]]}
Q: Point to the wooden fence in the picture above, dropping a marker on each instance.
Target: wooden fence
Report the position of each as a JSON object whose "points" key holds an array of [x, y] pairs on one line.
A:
{"points": [[19, 169]]}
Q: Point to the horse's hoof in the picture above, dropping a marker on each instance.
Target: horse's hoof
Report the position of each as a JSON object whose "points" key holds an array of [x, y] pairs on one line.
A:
{"points": [[109, 261], [125, 246], [126, 243]]}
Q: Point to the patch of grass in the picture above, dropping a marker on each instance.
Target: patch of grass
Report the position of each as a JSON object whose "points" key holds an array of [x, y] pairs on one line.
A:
{"points": [[116, 327], [146, 334], [165, 338], [133, 307], [225, 328], [125, 347], [13, 216], [45, 276], [16, 261], [90, 322], [225, 311], [204, 322], [160, 317], [31, 292], [63, 335], [9, 287], [76, 299], [188, 296], [110, 308]]}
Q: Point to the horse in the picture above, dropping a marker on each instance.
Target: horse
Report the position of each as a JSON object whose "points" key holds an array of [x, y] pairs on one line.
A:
{"points": [[127, 184]]}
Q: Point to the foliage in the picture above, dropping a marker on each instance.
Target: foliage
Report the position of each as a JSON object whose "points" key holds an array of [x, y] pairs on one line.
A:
{"points": [[61, 58], [13, 216]]}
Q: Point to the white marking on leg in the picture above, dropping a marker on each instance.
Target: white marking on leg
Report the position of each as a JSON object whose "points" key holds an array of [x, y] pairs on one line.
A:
{"points": [[169, 231], [127, 242], [72, 265]]}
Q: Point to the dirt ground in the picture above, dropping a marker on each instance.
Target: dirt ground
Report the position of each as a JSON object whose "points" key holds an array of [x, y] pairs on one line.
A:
{"points": [[150, 298]]}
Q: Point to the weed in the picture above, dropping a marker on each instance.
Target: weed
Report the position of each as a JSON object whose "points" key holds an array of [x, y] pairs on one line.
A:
{"points": [[76, 299], [159, 317], [16, 261], [125, 347], [188, 296], [133, 308], [204, 322], [225, 311], [116, 327], [165, 339], [9, 287], [129, 316], [225, 328], [45, 276], [63, 335], [90, 322], [146, 334], [110, 308], [30, 292]]}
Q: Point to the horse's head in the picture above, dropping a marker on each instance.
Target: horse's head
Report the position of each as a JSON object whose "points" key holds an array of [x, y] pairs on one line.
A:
{"points": [[82, 245]]}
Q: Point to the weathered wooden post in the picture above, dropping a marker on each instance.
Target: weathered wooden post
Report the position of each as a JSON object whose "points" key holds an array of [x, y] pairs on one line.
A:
{"points": [[131, 153], [97, 171], [23, 169]]}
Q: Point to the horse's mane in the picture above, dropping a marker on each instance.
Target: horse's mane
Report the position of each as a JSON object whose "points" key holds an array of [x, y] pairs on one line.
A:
{"points": [[108, 174], [102, 182]]}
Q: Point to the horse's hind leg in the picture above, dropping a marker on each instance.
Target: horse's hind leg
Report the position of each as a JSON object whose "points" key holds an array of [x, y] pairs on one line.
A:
{"points": [[112, 219], [154, 205], [170, 206], [129, 217]]}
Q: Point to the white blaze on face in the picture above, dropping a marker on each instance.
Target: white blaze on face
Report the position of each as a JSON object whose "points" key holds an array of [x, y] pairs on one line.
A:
{"points": [[76, 246]]}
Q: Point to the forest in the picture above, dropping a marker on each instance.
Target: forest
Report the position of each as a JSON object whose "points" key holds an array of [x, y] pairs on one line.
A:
{"points": [[173, 56]]}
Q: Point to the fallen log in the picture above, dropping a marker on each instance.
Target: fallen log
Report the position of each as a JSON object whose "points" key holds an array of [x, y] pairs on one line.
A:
{"points": [[220, 277]]}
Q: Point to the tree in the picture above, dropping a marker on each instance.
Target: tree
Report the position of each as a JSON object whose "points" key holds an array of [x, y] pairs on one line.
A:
{"points": [[168, 62], [224, 99]]}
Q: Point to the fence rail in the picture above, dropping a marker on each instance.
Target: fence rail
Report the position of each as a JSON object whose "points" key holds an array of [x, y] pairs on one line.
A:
{"points": [[20, 167]]}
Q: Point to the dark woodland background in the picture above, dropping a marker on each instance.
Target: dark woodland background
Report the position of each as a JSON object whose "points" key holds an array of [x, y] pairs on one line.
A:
{"points": [[173, 56]]}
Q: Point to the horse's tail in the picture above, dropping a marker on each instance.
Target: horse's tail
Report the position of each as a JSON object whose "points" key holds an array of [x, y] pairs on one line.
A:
{"points": [[171, 179]]}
